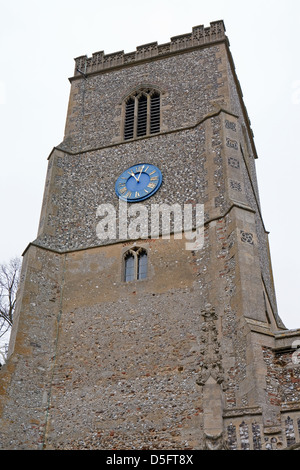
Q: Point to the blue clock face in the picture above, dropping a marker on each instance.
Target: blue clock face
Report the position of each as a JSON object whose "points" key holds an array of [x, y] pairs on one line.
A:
{"points": [[138, 182]]}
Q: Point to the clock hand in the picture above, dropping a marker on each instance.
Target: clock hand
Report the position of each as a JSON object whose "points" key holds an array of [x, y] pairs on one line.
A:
{"points": [[132, 174], [140, 172]]}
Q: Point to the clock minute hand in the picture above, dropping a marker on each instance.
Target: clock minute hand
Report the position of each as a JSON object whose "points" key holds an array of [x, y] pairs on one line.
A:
{"points": [[140, 173]]}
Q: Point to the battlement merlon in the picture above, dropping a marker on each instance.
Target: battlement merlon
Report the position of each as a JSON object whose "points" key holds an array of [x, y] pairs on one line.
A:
{"points": [[200, 36]]}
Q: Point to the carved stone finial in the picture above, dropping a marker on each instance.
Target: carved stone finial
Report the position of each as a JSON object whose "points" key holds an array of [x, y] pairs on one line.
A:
{"points": [[216, 442], [210, 356]]}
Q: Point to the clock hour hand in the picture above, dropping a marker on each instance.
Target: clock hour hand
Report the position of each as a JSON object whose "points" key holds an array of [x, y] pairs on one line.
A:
{"points": [[132, 174]]}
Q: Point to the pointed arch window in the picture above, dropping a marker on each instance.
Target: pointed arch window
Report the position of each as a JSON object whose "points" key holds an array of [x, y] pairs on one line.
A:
{"points": [[142, 114], [135, 264]]}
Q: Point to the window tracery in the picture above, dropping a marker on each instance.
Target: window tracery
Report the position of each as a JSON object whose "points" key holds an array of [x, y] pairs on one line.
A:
{"points": [[135, 264], [142, 113]]}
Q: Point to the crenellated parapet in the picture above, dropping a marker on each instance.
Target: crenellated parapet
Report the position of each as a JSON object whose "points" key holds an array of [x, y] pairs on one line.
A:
{"points": [[198, 37]]}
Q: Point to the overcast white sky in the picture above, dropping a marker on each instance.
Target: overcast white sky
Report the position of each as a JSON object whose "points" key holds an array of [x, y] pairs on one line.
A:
{"points": [[39, 40]]}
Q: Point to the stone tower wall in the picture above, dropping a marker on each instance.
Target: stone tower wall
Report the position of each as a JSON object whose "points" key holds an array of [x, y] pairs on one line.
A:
{"points": [[195, 356]]}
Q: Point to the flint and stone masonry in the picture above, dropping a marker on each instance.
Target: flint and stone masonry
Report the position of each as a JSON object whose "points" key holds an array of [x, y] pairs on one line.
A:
{"points": [[195, 355]]}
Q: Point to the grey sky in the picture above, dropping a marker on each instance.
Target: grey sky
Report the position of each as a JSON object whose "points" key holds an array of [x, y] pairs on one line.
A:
{"points": [[38, 42]]}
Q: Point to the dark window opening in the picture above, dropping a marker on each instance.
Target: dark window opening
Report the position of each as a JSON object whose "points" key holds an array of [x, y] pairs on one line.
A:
{"points": [[142, 265], [155, 114], [129, 267], [129, 119], [142, 116]]}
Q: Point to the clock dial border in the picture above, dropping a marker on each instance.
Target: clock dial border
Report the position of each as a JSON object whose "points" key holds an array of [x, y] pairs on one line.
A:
{"points": [[135, 171]]}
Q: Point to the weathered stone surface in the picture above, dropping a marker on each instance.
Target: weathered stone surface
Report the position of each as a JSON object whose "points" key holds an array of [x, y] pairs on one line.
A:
{"points": [[195, 356]]}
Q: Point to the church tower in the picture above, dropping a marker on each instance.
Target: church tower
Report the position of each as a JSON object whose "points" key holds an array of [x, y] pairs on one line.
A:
{"points": [[146, 314]]}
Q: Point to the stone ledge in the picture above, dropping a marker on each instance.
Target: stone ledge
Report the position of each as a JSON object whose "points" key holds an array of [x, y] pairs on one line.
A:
{"points": [[237, 412], [208, 116]]}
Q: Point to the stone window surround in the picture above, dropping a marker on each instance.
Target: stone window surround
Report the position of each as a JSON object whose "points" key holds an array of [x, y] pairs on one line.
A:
{"points": [[135, 93], [136, 252]]}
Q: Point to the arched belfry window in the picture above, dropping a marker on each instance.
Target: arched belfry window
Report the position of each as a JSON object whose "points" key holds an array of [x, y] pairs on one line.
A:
{"points": [[142, 113], [135, 264]]}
